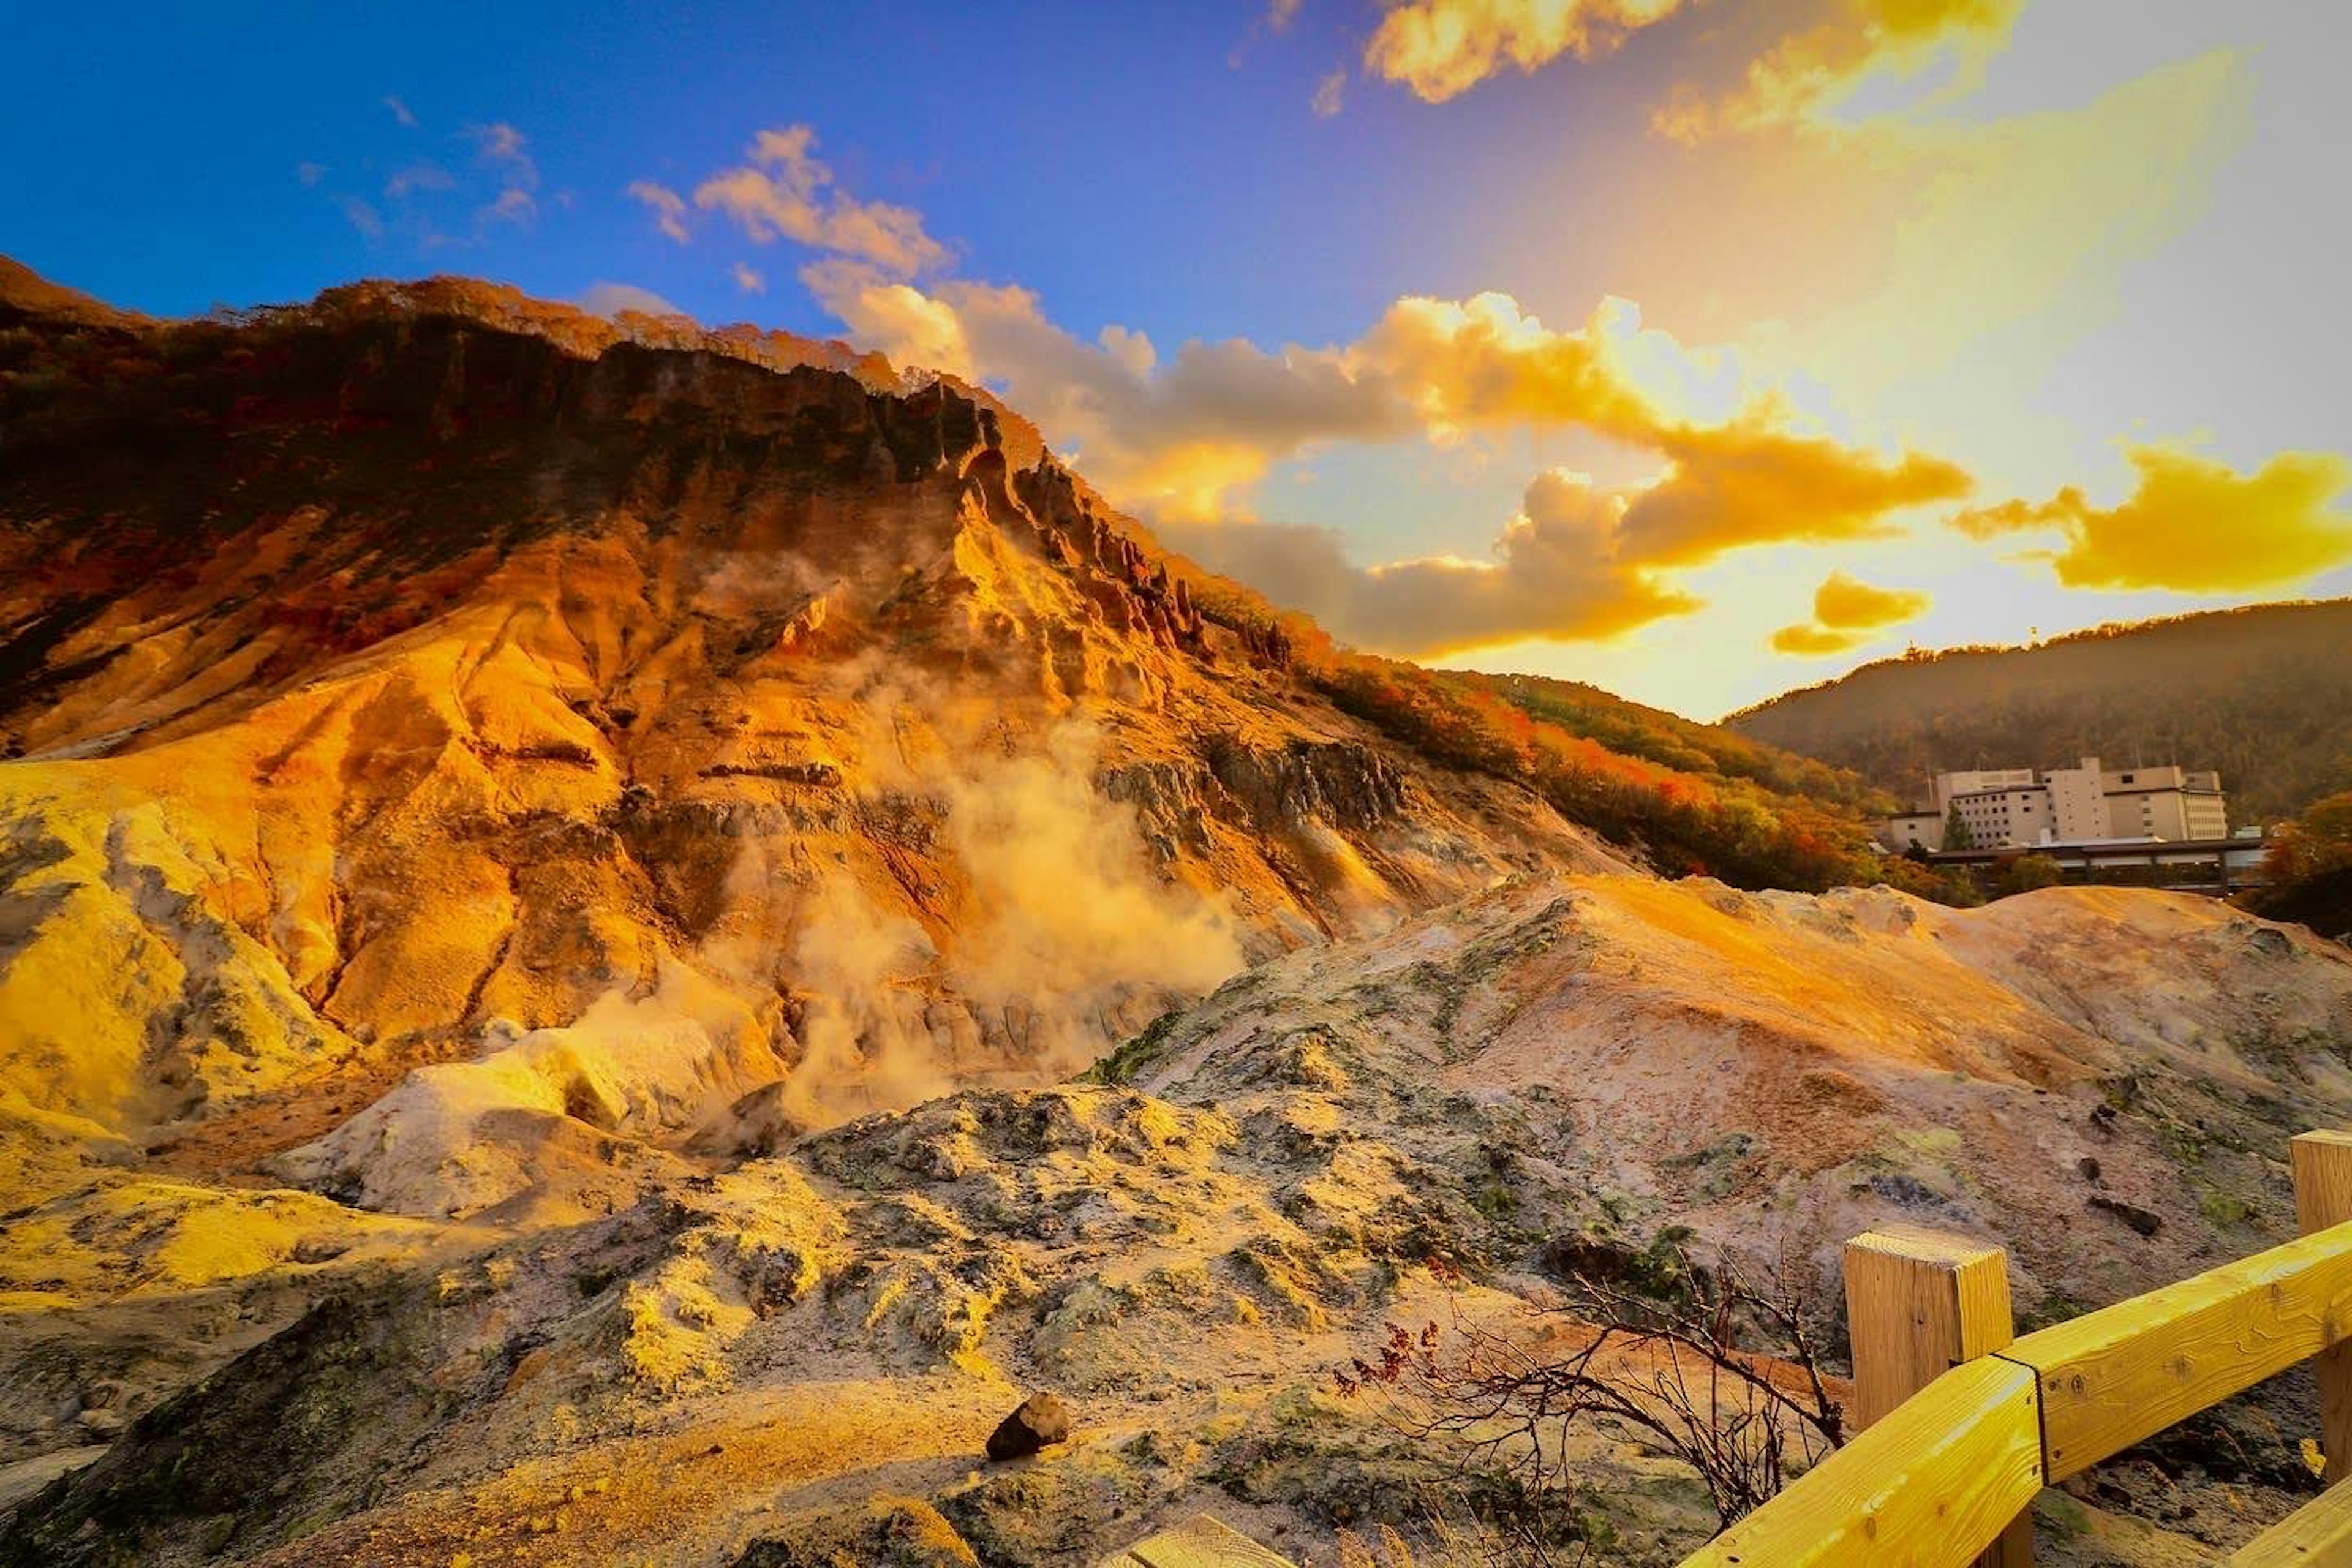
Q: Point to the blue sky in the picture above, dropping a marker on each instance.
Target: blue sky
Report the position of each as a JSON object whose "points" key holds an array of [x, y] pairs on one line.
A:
{"points": [[1874, 280]]}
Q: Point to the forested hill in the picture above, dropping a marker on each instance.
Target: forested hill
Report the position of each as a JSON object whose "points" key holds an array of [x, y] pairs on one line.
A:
{"points": [[2264, 694]]}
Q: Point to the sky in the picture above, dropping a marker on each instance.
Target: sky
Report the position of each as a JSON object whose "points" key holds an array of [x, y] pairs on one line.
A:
{"points": [[1698, 349]]}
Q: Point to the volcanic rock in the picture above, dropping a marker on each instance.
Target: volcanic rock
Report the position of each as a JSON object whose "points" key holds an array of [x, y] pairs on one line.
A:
{"points": [[1041, 1420]]}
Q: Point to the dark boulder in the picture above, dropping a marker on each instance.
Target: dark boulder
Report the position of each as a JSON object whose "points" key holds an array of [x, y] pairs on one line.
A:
{"points": [[2139, 1218], [1041, 1419]]}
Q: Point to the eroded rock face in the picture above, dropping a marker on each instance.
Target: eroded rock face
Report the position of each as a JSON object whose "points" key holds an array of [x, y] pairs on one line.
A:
{"points": [[487, 778], [718, 711]]}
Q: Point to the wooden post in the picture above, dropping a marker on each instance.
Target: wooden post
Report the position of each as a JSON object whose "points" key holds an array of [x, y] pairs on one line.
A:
{"points": [[2322, 1198], [1918, 1303]]}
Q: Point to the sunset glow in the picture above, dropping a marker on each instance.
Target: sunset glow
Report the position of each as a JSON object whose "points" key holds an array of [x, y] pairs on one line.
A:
{"points": [[1581, 337]]}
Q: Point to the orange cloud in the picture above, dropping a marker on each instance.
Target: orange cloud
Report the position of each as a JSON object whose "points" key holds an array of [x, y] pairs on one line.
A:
{"points": [[1440, 48], [1745, 483], [1815, 642], [1848, 604], [1483, 362], [1846, 613], [2191, 525], [1179, 437], [1815, 66]]}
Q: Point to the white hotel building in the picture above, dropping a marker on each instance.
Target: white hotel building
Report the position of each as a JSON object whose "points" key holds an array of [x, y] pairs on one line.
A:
{"points": [[2019, 806]]}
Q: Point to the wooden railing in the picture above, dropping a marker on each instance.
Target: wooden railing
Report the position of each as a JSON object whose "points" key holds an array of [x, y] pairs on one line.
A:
{"points": [[1960, 1426]]}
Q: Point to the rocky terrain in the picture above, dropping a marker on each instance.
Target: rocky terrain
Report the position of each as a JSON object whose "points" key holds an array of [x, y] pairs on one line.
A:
{"points": [[813, 1345], [614, 940]]}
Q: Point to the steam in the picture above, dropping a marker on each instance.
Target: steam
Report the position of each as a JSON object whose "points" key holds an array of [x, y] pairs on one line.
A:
{"points": [[978, 914], [1066, 938]]}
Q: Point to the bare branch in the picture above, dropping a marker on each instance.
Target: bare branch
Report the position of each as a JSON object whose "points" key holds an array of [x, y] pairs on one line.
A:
{"points": [[1673, 1367]]}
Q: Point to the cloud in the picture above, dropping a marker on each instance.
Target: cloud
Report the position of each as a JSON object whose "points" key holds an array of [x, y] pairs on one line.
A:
{"points": [[1847, 613], [1817, 66], [668, 207], [514, 206], [1744, 483], [505, 149], [423, 176], [612, 299], [907, 324], [1441, 49], [1271, 22], [2191, 525], [363, 217], [422, 203], [1463, 364], [1329, 93], [1438, 49], [1847, 604], [1178, 437], [749, 278], [1815, 642], [784, 190], [1558, 570]]}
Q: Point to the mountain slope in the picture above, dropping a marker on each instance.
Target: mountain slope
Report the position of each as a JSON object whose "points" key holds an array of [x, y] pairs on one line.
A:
{"points": [[422, 672], [2263, 694]]}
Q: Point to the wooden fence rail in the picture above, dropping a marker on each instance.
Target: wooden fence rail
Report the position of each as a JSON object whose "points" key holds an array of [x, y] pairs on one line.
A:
{"points": [[1943, 1479]]}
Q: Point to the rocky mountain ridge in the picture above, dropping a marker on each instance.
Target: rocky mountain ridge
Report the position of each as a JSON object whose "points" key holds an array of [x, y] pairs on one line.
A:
{"points": [[613, 940], [426, 673]]}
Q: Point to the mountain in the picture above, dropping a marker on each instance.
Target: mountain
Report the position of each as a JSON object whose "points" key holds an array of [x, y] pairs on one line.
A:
{"points": [[614, 936], [426, 660], [2263, 694]]}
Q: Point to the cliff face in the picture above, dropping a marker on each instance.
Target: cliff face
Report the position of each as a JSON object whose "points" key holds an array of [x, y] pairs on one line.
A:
{"points": [[429, 679]]}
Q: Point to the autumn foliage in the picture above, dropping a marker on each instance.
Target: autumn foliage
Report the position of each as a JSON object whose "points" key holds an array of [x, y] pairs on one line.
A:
{"points": [[1721, 806]]}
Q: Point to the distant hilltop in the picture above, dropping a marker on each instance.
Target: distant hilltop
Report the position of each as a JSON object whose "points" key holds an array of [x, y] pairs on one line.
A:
{"points": [[2262, 696]]}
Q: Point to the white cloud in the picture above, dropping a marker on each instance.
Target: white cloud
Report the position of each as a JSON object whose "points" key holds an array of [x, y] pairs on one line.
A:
{"points": [[515, 206], [507, 149], [423, 177], [1329, 93], [749, 278], [400, 111], [785, 191], [363, 217], [612, 299], [668, 207]]}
